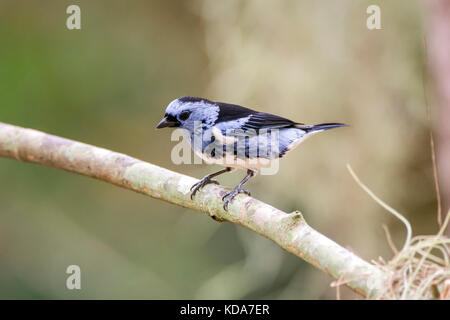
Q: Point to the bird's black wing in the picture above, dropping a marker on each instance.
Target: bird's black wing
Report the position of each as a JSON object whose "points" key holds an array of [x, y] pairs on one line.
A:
{"points": [[228, 112], [262, 120], [257, 120]]}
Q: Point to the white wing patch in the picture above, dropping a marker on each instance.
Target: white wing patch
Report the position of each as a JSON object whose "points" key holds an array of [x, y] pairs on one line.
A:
{"points": [[221, 138]]}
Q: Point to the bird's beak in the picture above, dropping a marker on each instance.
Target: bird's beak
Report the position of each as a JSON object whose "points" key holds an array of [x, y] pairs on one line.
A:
{"points": [[167, 123]]}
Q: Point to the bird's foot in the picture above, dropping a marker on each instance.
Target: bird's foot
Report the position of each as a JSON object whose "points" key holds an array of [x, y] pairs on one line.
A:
{"points": [[230, 196], [197, 186]]}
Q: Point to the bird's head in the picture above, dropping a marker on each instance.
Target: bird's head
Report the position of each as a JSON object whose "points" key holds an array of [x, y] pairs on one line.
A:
{"points": [[186, 112]]}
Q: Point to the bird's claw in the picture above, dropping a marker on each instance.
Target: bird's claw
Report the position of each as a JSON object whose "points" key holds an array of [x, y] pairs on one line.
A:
{"points": [[245, 191], [230, 196], [198, 185]]}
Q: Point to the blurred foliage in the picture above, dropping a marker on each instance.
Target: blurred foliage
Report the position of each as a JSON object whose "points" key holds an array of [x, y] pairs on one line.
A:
{"points": [[108, 85]]}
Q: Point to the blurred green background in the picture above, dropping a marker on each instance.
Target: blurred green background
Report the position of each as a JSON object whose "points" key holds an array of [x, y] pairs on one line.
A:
{"points": [[108, 85]]}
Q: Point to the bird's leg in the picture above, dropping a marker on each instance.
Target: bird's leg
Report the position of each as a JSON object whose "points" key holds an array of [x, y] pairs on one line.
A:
{"points": [[238, 189], [206, 180]]}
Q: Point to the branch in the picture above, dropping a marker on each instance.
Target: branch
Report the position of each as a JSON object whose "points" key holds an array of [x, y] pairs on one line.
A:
{"points": [[288, 230]]}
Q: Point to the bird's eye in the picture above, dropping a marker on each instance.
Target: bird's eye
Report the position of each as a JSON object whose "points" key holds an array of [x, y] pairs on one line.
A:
{"points": [[184, 115]]}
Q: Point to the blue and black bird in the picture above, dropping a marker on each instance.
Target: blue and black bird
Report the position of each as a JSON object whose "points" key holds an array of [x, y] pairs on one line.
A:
{"points": [[235, 137]]}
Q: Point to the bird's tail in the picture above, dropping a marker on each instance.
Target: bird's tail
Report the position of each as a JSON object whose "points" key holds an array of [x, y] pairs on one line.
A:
{"points": [[320, 127]]}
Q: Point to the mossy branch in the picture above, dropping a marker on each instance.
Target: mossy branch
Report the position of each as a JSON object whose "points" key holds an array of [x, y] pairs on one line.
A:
{"points": [[288, 230]]}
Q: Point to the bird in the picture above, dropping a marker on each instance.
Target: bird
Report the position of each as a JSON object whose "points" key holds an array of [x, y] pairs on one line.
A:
{"points": [[235, 137]]}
